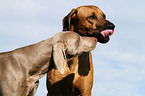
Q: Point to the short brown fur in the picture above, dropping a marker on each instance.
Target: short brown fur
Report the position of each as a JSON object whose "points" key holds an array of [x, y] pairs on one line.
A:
{"points": [[77, 79]]}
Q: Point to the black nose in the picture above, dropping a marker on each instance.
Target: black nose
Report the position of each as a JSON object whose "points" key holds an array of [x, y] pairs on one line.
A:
{"points": [[109, 25]]}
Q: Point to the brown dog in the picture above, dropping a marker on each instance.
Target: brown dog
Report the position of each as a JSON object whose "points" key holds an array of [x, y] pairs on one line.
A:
{"points": [[77, 79]]}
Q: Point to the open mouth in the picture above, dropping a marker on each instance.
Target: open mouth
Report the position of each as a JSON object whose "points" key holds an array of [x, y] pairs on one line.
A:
{"points": [[106, 33], [103, 36]]}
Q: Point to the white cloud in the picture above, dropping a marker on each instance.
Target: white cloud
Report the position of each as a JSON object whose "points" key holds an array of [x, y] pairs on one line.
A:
{"points": [[26, 6], [123, 81], [123, 56], [118, 73], [115, 88]]}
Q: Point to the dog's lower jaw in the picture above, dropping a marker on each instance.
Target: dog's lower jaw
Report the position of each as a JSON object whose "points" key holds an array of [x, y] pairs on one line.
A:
{"points": [[103, 40], [100, 37]]}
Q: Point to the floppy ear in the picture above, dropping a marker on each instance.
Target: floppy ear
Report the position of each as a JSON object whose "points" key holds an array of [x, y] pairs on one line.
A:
{"points": [[67, 21], [59, 57]]}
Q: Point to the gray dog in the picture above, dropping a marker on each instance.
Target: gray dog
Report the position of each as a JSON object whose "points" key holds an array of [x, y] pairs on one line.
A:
{"points": [[21, 69]]}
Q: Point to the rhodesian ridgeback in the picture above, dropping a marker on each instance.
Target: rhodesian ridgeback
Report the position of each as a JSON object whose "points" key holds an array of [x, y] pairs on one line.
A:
{"points": [[21, 69], [77, 79]]}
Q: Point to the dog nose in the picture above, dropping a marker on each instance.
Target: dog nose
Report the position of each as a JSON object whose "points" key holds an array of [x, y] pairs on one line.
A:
{"points": [[111, 26]]}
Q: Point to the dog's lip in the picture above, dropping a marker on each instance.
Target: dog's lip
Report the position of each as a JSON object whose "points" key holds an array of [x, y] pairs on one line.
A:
{"points": [[107, 32]]}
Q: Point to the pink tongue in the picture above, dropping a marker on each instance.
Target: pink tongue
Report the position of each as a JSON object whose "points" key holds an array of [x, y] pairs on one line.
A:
{"points": [[106, 33]]}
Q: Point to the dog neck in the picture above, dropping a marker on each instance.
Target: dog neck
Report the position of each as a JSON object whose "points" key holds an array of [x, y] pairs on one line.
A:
{"points": [[35, 58]]}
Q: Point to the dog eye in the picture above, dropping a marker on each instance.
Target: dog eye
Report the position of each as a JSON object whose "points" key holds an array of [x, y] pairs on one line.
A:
{"points": [[92, 16]]}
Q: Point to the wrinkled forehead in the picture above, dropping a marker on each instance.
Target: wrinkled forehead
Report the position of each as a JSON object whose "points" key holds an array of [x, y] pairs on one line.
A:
{"points": [[86, 11]]}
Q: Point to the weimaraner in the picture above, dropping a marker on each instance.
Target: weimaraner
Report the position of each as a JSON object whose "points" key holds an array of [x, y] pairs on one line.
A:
{"points": [[21, 69]]}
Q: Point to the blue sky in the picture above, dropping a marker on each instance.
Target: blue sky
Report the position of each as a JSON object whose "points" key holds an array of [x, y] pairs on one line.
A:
{"points": [[119, 65]]}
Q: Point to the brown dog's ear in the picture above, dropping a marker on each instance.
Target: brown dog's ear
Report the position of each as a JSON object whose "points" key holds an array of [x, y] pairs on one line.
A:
{"points": [[67, 21], [59, 57]]}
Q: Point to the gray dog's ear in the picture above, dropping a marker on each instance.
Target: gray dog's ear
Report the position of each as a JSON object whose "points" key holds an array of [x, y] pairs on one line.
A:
{"points": [[67, 26], [59, 57]]}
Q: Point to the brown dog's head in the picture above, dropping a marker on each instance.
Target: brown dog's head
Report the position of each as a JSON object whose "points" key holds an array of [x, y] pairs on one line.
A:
{"points": [[89, 21]]}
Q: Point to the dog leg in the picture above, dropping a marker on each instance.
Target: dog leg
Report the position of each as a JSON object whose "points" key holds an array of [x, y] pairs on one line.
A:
{"points": [[32, 93]]}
